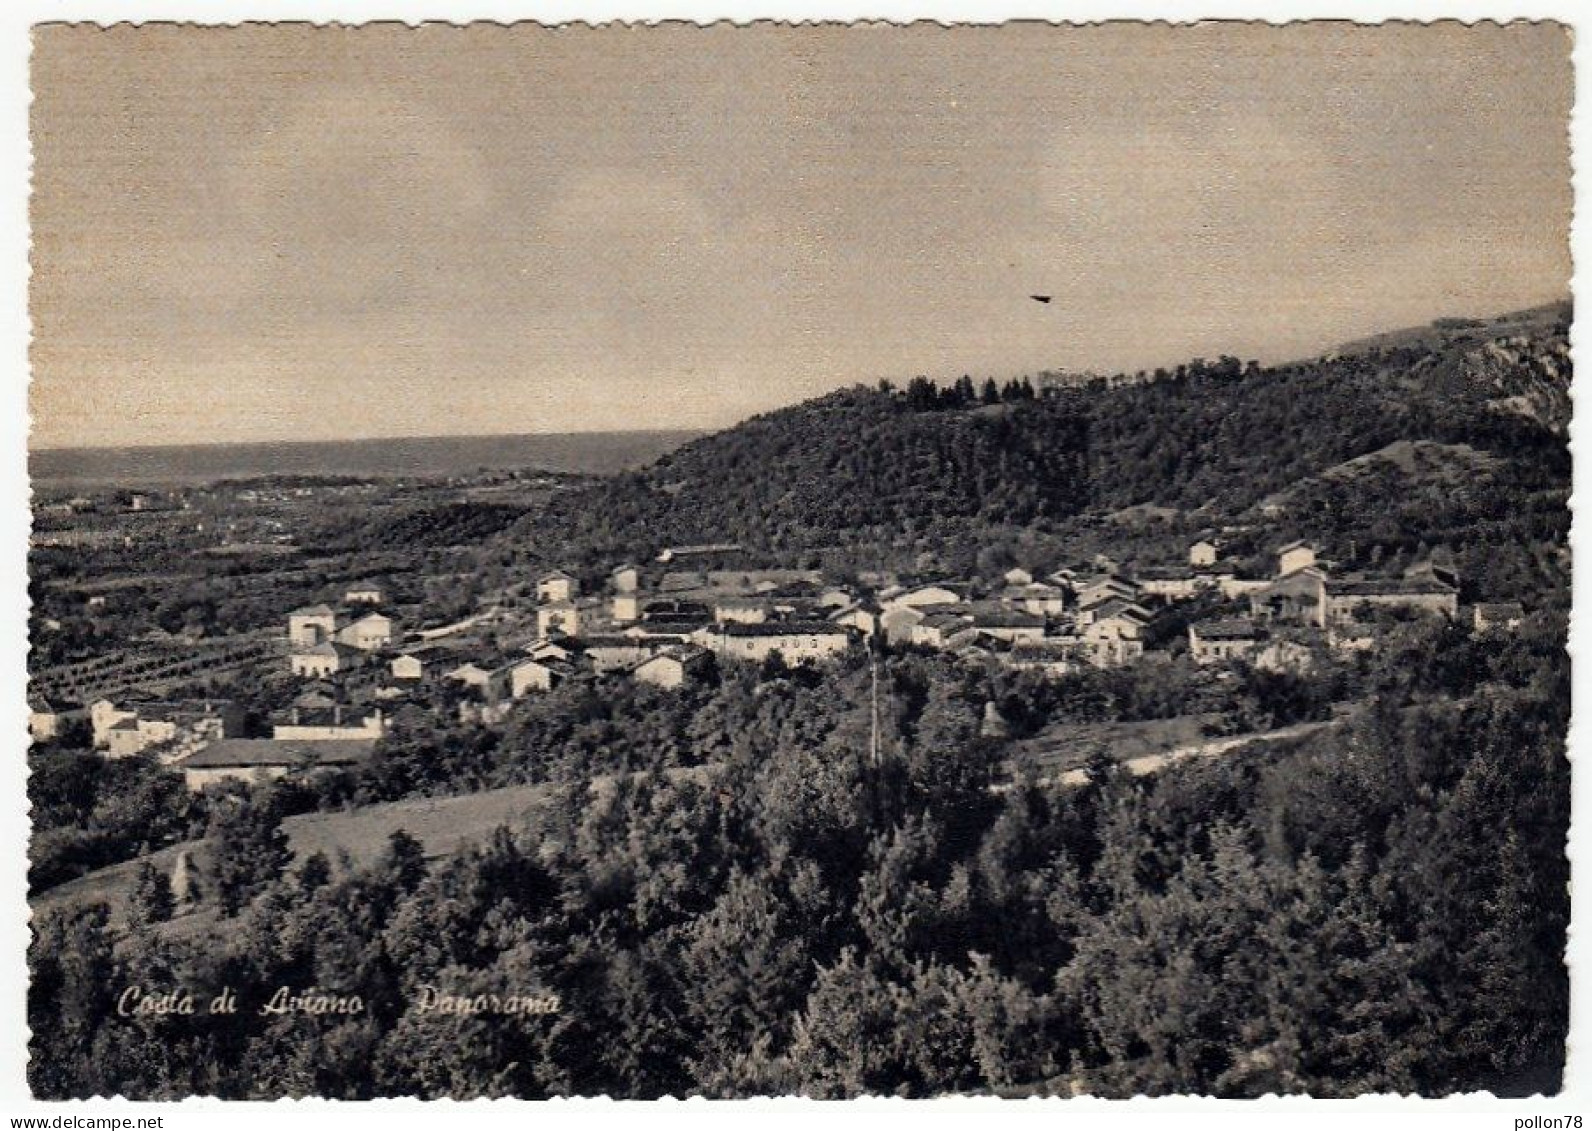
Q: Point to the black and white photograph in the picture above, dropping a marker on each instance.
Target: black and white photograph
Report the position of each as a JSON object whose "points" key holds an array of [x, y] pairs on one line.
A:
{"points": [[798, 560]]}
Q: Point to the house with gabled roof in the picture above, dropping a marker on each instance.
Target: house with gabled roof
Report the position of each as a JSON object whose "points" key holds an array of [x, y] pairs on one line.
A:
{"points": [[862, 617], [538, 674], [174, 725], [47, 717], [1092, 593], [369, 632], [311, 719], [1348, 597], [1204, 553], [898, 622], [794, 640], [409, 667], [1217, 641], [620, 652], [556, 585], [625, 578], [563, 617], [1295, 556], [673, 667], [255, 760], [311, 625], [1115, 633], [1037, 597], [1299, 597], [936, 628], [1006, 623], [325, 659]]}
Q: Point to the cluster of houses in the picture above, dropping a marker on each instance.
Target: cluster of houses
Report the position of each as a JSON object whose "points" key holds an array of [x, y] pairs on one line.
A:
{"points": [[667, 634], [1071, 620], [204, 738], [672, 626], [323, 641]]}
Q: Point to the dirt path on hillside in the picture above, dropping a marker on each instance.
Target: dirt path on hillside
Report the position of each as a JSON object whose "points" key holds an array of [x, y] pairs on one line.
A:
{"points": [[1154, 763]]}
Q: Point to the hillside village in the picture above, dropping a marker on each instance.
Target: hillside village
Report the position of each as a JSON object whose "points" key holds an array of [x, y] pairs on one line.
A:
{"points": [[1066, 676], [359, 667]]}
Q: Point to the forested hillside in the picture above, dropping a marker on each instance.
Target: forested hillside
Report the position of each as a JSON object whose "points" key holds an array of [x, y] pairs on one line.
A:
{"points": [[1380, 907], [1208, 440]]}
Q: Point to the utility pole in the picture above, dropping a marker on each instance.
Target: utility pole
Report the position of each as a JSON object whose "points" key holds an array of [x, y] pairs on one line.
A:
{"points": [[873, 737]]}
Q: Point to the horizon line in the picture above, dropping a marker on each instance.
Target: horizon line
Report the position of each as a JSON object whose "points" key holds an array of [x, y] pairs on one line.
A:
{"points": [[1565, 298], [32, 451]]}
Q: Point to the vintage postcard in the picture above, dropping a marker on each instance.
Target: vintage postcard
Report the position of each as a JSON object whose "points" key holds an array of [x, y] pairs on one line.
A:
{"points": [[830, 561]]}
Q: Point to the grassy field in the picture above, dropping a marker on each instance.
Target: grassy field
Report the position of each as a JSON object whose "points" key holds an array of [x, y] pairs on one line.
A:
{"points": [[441, 824]]}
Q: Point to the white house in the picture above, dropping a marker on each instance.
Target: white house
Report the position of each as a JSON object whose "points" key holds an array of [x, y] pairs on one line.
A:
{"points": [[1008, 624], [45, 718], [625, 579], [626, 608], [558, 616], [1295, 556], [368, 633], [859, 617], [267, 759], [102, 715], [547, 648], [1018, 576], [672, 667], [531, 675], [408, 667], [1115, 634], [616, 653], [1097, 591], [1203, 553], [330, 723], [178, 725], [363, 595], [936, 629], [1348, 596], [1214, 642], [311, 625], [323, 660], [556, 586], [794, 640], [1053, 655], [134, 735]]}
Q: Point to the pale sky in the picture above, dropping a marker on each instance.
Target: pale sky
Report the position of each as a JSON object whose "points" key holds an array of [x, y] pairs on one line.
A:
{"points": [[300, 233]]}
